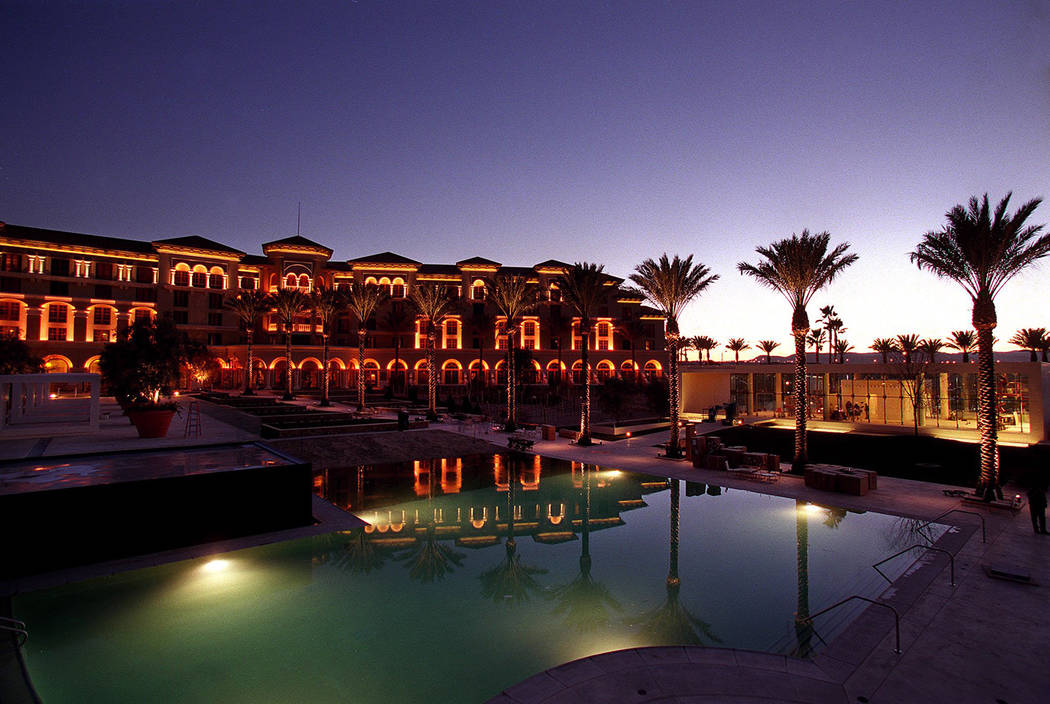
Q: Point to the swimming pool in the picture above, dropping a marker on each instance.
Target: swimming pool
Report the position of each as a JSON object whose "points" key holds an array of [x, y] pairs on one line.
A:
{"points": [[474, 574]]}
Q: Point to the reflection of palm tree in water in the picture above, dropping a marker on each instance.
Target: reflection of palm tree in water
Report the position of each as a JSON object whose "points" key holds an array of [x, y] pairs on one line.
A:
{"points": [[803, 627], [671, 622], [353, 551], [427, 559], [510, 581], [584, 602]]}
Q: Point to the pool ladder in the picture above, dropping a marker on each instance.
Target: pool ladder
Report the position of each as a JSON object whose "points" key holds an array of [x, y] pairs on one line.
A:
{"points": [[16, 628]]}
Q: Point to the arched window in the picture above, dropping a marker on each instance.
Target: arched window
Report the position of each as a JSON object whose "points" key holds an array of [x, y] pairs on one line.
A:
{"points": [[577, 372], [628, 369], [450, 372], [142, 314], [181, 275], [554, 371], [397, 288], [57, 364], [216, 278], [200, 276], [291, 281], [304, 282], [652, 370], [477, 290], [554, 293], [604, 370]]}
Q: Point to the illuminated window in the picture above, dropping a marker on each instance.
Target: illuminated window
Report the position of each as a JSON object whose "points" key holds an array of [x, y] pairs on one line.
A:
{"points": [[397, 288], [554, 293], [57, 313], [102, 316], [216, 278], [530, 335], [451, 336], [200, 277], [603, 335], [477, 290]]}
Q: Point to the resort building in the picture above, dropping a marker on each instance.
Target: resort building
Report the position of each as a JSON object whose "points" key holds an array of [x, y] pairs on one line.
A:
{"points": [[67, 294], [932, 399]]}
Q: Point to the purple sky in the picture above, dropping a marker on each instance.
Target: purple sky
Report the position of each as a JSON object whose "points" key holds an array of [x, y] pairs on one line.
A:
{"points": [[521, 131]]}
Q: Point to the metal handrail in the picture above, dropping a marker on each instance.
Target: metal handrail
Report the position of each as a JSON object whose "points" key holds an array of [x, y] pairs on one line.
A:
{"points": [[896, 616], [951, 560], [984, 535], [16, 627]]}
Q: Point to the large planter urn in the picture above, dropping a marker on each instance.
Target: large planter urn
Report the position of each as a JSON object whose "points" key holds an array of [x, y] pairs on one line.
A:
{"points": [[151, 423]]}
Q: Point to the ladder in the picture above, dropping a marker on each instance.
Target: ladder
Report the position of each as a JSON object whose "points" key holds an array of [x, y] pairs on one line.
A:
{"points": [[193, 421]]}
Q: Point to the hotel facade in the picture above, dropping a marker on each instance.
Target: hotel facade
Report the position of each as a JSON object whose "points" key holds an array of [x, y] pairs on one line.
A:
{"points": [[68, 294]]}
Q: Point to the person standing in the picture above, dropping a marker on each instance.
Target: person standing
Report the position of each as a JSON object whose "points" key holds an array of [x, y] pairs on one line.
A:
{"points": [[1037, 507]]}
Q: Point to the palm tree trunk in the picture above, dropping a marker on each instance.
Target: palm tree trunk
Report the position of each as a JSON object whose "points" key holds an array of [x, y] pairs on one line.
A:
{"points": [[672, 388], [288, 367], [672, 565], [510, 384], [251, 368], [397, 363], [432, 386], [987, 414], [324, 371], [585, 417], [798, 464], [360, 369]]}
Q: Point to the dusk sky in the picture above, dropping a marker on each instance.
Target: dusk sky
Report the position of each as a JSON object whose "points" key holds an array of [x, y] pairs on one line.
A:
{"points": [[524, 131]]}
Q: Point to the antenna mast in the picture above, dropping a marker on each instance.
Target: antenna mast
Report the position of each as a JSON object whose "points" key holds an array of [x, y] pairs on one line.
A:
{"points": [[299, 218]]}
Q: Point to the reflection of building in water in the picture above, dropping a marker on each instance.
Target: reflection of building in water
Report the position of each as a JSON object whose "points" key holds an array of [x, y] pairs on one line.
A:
{"points": [[466, 499], [849, 396]]}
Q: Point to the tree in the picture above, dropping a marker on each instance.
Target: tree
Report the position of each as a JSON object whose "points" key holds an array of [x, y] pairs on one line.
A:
{"points": [[1032, 339], [327, 304], [885, 346], [816, 338], [432, 304], [703, 343], [842, 346], [145, 362], [16, 358], [288, 303], [908, 344], [514, 297], [249, 306], [981, 251], [363, 300], [832, 326], [963, 340], [930, 347], [737, 345], [671, 284], [797, 267], [768, 346], [583, 288]]}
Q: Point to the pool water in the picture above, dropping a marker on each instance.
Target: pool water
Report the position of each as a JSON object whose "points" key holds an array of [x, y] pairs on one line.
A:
{"points": [[473, 574]]}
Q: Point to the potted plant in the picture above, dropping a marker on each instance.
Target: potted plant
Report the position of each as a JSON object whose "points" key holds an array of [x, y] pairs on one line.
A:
{"points": [[141, 367]]}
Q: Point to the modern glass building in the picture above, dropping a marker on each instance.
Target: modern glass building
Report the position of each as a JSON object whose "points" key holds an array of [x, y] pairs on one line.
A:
{"points": [[932, 399]]}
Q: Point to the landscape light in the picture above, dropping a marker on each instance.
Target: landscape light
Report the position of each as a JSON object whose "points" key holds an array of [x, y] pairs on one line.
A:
{"points": [[216, 565]]}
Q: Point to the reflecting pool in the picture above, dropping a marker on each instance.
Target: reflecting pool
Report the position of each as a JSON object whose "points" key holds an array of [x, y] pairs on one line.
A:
{"points": [[473, 574]]}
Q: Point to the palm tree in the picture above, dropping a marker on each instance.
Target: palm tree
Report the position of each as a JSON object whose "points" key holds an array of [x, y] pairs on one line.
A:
{"points": [[803, 626], [396, 321], [832, 326], [842, 346], [671, 285], [797, 267], [1032, 339], [837, 328], [885, 346], [908, 344], [363, 301], [671, 622], [327, 304], [981, 251], [585, 602], [930, 347], [965, 341], [433, 304], [737, 345], [816, 338], [514, 297], [288, 303], [583, 288], [704, 343], [768, 346], [511, 581], [249, 306]]}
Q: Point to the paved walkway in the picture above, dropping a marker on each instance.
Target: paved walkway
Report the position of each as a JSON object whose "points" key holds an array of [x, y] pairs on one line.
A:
{"points": [[983, 640]]}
